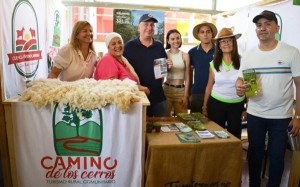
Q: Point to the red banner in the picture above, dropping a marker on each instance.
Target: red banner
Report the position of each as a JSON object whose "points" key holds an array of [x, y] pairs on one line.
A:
{"points": [[15, 58]]}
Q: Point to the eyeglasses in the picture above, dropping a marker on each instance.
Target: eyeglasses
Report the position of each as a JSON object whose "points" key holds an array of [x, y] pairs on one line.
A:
{"points": [[226, 41]]}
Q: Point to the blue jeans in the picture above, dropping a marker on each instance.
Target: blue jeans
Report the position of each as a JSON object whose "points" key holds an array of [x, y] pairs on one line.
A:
{"points": [[157, 110], [257, 128]]}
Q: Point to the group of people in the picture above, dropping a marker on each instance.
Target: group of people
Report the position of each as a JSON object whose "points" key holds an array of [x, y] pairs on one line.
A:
{"points": [[207, 79]]}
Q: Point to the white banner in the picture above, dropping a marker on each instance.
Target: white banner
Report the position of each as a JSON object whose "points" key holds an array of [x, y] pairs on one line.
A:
{"points": [[22, 43], [59, 147]]}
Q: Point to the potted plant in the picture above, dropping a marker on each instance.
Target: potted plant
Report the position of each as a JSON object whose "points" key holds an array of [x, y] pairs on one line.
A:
{"points": [[157, 126]]}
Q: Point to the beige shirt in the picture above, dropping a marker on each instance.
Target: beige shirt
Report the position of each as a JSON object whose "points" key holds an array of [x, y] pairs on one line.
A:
{"points": [[73, 65]]}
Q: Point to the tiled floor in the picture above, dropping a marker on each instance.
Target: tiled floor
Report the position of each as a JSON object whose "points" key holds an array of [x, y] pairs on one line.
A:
{"points": [[245, 175]]}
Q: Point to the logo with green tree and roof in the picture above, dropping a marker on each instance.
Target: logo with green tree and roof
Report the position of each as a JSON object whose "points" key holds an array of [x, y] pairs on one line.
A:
{"points": [[77, 132]]}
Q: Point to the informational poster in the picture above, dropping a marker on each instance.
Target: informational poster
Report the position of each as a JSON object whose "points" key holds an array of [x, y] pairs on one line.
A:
{"points": [[126, 23]]}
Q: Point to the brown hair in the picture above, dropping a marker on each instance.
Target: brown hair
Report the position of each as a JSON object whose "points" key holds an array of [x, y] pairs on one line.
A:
{"points": [[218, 56], [168, 46], [76, 29]]}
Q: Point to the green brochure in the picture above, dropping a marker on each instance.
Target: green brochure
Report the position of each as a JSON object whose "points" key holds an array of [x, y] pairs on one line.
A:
{"points": [[187, 137], [250, 82]]}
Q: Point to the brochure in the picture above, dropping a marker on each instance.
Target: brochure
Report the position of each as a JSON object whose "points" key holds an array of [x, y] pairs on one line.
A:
{"points": [[187, 137], [250, 82], [196, 125], [183, 128], [160, 68], [205, 134], [221, 134], [169, 128], [187, 117]]}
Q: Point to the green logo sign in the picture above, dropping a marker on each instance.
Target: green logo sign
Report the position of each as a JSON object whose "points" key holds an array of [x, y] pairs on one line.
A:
{"points": [[77, 132]]}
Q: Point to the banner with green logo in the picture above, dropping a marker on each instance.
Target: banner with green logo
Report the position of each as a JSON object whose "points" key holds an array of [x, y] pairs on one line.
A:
{"points": [[66, 147]]}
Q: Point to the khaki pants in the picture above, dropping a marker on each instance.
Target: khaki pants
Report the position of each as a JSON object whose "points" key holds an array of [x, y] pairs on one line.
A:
{"points": [[174, 99]]}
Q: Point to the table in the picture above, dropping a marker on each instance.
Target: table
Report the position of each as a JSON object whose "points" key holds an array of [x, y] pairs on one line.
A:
{"points": [[211, 162]]}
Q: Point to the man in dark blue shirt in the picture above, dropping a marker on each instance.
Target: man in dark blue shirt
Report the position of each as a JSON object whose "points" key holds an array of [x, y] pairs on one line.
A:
{"points": [[141, 53], [200, 57]]}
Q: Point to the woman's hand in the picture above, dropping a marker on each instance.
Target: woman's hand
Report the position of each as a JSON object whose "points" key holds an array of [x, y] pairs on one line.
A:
{"points": [[169, 63], [185, 101], [144, 89]]}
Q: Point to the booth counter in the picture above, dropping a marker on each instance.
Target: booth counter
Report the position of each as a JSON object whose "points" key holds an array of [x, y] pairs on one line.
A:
{"points": [[210, 162], [47, 147]]}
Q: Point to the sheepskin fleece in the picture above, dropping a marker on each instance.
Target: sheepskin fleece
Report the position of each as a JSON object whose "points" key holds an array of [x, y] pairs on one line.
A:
{"points": [[86, 94]]}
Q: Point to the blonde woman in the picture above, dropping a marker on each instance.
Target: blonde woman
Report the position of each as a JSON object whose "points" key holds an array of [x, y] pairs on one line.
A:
{"points": [[76, 60], [176, 87]]}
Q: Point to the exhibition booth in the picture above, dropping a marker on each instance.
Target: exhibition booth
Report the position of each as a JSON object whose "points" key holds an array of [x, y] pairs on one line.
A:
{"points": [[54, 142]]}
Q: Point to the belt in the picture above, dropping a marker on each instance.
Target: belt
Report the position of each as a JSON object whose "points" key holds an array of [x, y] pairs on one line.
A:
{"points": [[175, 86]]}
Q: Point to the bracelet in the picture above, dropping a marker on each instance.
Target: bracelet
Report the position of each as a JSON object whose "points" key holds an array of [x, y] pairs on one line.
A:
{"points": [[204, 107], [297, 117]]}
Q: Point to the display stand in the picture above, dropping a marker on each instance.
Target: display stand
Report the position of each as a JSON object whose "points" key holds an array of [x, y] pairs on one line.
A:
{"points": [[8, 149]]}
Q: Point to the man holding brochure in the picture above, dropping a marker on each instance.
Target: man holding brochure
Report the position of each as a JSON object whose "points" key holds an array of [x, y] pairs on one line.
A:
{"points": [[277, 67], [141, 52]]}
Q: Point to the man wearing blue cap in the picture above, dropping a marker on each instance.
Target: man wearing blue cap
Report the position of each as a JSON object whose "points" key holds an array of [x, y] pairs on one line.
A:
{"points": [[277, 67], [141, 53]]}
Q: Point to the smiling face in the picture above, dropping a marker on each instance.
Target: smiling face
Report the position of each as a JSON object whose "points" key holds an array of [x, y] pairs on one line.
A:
{"points": [[147, 29], [116, 47], [266, 29], [85, 35], [226, 45], [174, 40]]}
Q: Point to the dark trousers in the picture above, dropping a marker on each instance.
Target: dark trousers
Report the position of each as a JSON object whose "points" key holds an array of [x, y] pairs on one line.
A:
{"points": [[157, 110], [257, 128], [196, 102], [231, 113]]}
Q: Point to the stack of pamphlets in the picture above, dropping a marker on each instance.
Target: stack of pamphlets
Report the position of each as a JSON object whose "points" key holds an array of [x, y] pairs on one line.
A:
{"points": [[169, 128], [222, 134], [187, 137], [183, 128], [205, 134]]}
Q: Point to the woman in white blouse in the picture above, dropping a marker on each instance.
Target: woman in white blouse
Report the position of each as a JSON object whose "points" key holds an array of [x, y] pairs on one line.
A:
{"points": [[76, 60], [221, 103]]}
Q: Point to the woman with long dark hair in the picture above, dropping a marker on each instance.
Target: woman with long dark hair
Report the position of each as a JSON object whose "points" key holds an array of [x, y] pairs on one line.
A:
{"points": [[221, 103]]}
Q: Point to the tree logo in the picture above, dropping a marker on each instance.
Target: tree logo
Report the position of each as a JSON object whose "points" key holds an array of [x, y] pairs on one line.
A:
{"points": [[77, 132]]}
